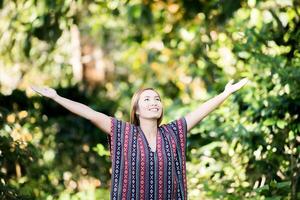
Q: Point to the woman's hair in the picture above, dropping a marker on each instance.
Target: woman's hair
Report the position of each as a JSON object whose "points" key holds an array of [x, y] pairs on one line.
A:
{"points": [[134, 119]]}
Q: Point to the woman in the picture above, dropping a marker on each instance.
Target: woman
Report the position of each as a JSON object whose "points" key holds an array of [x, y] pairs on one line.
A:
{"points": [[148, 159]]}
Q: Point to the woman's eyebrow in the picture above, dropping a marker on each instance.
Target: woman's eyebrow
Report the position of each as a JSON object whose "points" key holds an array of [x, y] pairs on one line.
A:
{"points": [[149, 96]]}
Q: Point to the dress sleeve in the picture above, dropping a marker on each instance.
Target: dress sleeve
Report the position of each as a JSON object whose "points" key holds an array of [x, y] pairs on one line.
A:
{"points": [[115, 139], [179, 128]]}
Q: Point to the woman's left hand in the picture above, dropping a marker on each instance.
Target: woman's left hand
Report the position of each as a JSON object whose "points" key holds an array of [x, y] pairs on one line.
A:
{"points": [[231, 88]]}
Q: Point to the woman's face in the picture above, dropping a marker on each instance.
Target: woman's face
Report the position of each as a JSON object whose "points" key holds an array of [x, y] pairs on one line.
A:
{"points": [[149, 105]]}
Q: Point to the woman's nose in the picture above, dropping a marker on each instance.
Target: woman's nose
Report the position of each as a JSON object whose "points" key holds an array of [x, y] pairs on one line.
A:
{"points": [[153, 102]]}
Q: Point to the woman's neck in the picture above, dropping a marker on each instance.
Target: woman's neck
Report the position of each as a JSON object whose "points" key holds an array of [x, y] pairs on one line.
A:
{"points": [[149, 127]]}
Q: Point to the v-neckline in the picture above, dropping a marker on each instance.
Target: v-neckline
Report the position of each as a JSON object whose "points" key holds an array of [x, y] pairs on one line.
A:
{"points": [[145, 138]]}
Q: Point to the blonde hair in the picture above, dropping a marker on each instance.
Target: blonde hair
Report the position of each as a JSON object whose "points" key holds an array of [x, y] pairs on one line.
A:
{"points": [[134, 106]]}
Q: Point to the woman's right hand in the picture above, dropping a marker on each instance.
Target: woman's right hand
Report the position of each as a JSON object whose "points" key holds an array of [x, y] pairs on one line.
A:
{"points": [[99, 119], [45, 91]]}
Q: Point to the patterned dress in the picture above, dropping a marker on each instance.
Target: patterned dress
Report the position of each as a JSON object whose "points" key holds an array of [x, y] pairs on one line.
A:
{"points": [[138, 173]]}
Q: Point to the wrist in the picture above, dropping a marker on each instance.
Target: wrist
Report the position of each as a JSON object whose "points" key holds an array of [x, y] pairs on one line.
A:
{"points": [[227, 93], [55, 97]]}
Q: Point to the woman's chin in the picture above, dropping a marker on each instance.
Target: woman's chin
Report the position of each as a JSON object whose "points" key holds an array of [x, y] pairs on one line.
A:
{"points": [[154, 117], [157, 116]]}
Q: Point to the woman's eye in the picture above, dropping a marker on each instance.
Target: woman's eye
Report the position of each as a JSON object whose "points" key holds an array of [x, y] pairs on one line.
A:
{"points": [[146, 99]]}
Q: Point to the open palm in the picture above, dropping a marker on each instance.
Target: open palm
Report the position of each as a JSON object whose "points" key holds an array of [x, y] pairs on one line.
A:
{"points": [[234, 87], [45, 91]]}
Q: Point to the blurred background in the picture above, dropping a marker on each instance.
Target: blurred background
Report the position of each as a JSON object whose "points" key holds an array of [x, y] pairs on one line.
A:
{"points": [[99, 52]]}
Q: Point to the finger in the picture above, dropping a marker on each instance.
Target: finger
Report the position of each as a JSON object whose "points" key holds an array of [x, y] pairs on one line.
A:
{"points": [[230, 82], [34, 88], [37, 89], [244, 81]]}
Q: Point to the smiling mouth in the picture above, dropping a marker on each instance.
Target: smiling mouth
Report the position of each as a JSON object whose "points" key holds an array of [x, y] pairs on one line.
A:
{"points": [[154, 109]]}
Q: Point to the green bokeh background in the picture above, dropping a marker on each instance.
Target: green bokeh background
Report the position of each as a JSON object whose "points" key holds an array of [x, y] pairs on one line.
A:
{"points": [[99, 52]]}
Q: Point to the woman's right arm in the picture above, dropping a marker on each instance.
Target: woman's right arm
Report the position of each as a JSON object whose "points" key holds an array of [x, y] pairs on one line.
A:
{"points": [[101, 120]]}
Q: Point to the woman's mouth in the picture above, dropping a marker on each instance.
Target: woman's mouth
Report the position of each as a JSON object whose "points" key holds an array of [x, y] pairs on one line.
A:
{"points": [[154, 109]]}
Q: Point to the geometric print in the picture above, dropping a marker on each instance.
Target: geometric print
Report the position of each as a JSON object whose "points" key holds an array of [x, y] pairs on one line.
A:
{"points": [[138, 173]]}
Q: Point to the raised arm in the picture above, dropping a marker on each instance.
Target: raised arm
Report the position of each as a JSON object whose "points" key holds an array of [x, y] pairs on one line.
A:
{"points": [[194, 117], [101, 120]]}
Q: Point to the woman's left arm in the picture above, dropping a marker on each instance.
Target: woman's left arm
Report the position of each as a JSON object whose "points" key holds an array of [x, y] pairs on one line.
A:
{"points": [[194, 117]]}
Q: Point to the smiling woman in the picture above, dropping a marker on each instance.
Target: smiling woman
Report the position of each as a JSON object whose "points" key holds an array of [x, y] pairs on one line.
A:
{"points": [[148, 159], [147, 112], [145, 99]]}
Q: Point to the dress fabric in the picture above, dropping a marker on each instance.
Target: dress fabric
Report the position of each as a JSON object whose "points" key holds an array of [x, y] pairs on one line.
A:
{"points": [[138, 173]]}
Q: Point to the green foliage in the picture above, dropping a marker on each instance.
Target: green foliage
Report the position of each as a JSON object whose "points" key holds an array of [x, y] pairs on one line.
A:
{"points": [[246, 149]]}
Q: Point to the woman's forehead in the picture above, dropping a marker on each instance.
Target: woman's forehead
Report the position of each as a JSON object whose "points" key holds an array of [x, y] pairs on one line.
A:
{"points": [[150, 93]]}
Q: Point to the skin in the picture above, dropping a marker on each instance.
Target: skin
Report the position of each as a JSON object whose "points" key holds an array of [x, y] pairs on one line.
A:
{"points": [[100, 120], [148, 118], [149, 110], [194, 117]]}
